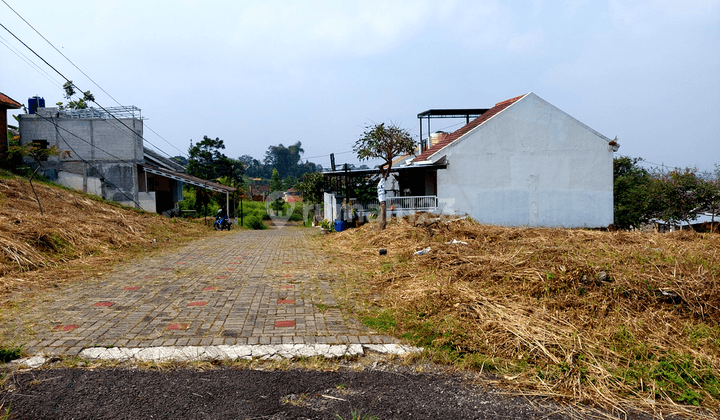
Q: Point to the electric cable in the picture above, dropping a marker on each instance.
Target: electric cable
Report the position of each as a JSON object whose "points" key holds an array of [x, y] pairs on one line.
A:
{"points": [[102, 178], [29, 62], [74, 85], [85, 74]]}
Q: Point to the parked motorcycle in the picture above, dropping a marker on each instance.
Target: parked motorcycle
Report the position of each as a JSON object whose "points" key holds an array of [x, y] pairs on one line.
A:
{"points": [[222, 221]]}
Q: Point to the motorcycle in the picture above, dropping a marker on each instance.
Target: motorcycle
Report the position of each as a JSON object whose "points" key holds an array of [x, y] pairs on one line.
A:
{"points": [[222, 222]]}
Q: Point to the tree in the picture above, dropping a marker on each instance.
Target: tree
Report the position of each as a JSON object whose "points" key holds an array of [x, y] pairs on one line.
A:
{"points": [[632, 193], [312, 186], [276, 185], [206, 161], [180, 160], [81, 103], [284, 159], [682, 196], [386, 143]]}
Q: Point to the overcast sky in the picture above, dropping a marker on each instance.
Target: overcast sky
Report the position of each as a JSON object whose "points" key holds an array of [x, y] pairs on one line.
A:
{"points": [[260, 73]]}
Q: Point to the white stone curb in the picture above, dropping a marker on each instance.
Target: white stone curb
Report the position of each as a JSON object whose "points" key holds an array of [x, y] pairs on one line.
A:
{"points": [[225, 352]]}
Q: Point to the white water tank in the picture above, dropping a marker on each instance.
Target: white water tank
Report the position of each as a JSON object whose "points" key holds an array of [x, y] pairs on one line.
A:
{"points": [[435, 138]]}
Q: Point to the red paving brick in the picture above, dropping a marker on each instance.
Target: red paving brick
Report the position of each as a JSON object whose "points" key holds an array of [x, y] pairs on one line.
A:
{"points": [[104, 304], [250, 296], [66, 327]]}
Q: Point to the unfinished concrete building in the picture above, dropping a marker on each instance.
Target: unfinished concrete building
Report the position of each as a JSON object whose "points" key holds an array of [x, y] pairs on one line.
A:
{"points": [[101, 152]]}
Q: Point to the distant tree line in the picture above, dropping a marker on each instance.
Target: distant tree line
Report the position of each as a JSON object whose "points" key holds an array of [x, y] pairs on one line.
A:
{"points": [[287, 161], [206, 160], [679, 195]]}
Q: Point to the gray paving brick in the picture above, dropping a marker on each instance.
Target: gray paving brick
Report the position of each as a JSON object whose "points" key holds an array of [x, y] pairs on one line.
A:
{"points": [[244, 301]]}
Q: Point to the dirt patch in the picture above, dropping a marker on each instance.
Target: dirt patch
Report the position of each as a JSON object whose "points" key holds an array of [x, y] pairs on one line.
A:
{"points": [[383, 392]]}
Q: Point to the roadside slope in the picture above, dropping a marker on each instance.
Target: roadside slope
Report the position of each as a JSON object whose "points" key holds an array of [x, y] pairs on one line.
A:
{"points": [[76, 234], [609, 318]]}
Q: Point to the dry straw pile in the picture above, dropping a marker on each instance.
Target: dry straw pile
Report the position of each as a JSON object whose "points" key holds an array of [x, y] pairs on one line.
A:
{"points": [[610, 318], [75, 234]]}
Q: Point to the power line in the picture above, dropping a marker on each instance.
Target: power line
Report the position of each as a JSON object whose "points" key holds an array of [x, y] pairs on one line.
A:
{"points": [[85, 74], [72, 84], [57, 127], [29, 62], [102, 178], [319, 156], [60, 52], [172, 145]]}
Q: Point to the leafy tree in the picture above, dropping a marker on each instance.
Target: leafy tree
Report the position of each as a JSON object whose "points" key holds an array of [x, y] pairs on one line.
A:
{"points": [[632, 193], [312, 185], [180, 160], [39, 155], [206, 161], [284, 159], [682, 195], [386, 143], [81, 103], [276, 185]]}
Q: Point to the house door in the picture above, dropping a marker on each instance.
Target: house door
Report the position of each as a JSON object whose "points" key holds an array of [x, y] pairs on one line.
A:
{"points": [[430, 182]]}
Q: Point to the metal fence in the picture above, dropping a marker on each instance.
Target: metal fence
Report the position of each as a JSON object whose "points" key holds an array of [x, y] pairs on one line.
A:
{"points": [[420, 202]]}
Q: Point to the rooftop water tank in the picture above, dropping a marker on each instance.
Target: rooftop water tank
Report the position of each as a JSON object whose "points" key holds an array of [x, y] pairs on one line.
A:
{"points": [[34, 103]]}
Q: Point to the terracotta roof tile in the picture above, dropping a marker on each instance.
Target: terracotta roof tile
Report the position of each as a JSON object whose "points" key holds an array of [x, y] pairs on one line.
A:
{"points": [[449, 138], [8, 102]]}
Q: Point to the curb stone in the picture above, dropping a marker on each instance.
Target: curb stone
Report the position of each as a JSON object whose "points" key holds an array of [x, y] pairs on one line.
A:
{"points": [[226, 352]]}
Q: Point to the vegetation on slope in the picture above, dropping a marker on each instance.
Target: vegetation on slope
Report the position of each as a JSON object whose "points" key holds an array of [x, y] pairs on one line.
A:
{"points": [[77, 233], [618, 319]]}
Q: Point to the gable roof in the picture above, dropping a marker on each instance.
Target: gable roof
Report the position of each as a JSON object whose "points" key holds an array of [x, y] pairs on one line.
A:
{"points": [[448, 139], [8, 102]]}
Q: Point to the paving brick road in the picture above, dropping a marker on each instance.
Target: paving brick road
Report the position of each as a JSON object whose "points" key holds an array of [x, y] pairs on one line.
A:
{"points": [[236, 288]]}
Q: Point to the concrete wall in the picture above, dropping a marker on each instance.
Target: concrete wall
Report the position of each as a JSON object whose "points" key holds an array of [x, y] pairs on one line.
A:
{"points": [[147, 201], [530, 165], [94, 151]]}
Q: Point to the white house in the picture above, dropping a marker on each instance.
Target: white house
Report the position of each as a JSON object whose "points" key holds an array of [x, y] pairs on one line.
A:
{"points": [[522, 162]]}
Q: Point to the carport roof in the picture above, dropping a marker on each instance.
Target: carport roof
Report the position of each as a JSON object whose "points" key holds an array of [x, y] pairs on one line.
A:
{"points": [[188, 179]]}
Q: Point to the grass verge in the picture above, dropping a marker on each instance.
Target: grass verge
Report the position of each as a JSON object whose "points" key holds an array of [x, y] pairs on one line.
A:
{"points": [[615, 319]]}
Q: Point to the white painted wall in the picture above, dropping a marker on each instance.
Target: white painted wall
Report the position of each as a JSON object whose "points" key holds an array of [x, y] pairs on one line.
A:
{"points": [[147, 201], [530, 165], [90, 184]]}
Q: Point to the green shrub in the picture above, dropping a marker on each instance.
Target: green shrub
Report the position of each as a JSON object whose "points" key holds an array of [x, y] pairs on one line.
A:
{"points": [[8, 354], [254, 222]]}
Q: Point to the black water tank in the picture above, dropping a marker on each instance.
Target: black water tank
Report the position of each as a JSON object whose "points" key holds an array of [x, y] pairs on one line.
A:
{"points": [[34, 103]]}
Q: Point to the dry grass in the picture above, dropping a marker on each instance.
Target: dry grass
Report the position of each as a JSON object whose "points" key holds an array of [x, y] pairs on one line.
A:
{"points": [[77, 234], [618, 319]]}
